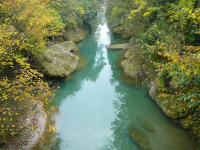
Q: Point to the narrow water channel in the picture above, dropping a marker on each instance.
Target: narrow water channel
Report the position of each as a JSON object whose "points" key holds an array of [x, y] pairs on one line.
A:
{"points": [[96, 108]]}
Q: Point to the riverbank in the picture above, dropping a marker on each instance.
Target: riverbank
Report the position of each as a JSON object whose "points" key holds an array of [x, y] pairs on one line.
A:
{"points": [[169, 52], [59, 60], [132, 65]]}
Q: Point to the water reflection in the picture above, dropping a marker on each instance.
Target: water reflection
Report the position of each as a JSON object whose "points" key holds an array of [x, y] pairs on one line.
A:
{"points": [[97, 108], [133, 103], [95, 62]]}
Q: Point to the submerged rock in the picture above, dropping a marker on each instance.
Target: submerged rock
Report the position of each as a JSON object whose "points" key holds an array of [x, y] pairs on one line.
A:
{"points": [[76, 34], [123, 46], [145, 124], [59, 60], [140, 138]]}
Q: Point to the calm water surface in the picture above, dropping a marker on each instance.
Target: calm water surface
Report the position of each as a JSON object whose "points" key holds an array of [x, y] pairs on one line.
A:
{"points": [[96, 108]]}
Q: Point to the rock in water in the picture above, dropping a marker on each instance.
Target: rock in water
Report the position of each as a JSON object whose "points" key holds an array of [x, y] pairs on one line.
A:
{"points": [[132, 67], [140, 138], [59, 60], [76, 34], [120, 31], [130, 53], [119, 46], [145, 124]]}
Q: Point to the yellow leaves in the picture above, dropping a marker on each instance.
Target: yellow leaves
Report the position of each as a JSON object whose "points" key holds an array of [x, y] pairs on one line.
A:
{"points": [[183, 68], [187, 73], [4, 113], [158, 42], [192, 100], [12, 133], [51, 128], [175, 60], [81, 10], [130, 17], [141, 4]]}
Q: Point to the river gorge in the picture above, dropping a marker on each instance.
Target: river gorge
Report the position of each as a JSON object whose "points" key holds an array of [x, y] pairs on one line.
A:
{"points": [[97, 106]]}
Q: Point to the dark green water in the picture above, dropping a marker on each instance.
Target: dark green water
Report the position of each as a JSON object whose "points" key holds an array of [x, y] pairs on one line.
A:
{"points": [[96, 108]]}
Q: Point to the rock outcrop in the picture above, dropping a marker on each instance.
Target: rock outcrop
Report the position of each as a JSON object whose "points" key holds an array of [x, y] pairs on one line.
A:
{"points": [[59, 60], [122, 46], [140, 138], [121, 32], [178, 111], [129, 53], [170, 108], [76, 34], [132, 65], [73, 34], [30, 137]]}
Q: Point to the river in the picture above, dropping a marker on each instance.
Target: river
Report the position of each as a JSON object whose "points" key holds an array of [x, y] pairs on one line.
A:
{"points": [[97, 106]]}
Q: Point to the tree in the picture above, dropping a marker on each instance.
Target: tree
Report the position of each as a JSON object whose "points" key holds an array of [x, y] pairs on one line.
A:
{"points": [[24, 28]]}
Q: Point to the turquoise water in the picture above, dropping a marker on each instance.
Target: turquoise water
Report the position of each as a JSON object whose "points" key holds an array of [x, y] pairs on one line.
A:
{"points": [[97, 108]]}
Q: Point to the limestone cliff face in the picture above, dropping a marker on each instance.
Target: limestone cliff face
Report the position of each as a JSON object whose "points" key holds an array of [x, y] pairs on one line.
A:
{"points": [[59, 60], [29, 137]]}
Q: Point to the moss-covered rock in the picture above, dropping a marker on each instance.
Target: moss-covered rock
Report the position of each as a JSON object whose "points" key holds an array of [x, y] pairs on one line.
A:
{"points": [[173, 109], [129, 53], [76, 34], [192, 122], [59, 60], [123, 46], [120, 31], [132, 67], [146, 124], [181, 114], [59, 38], [140, 138]]}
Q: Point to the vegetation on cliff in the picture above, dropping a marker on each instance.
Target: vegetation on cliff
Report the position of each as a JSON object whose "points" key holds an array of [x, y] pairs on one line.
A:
{"points": [[167, 35]]}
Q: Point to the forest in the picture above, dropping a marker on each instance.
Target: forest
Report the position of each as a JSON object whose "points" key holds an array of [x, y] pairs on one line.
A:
{"points": [[167, 38]]}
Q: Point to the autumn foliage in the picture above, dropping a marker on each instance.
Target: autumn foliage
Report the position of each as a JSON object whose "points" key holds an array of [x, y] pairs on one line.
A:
{"points": [[24, 28]]}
